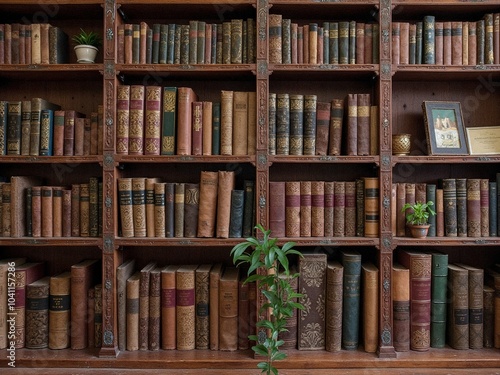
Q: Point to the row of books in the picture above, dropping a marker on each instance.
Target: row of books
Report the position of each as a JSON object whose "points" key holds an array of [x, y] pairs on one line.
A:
{"points": [[37, 43], [213, 207], [342, 42], [29, 209], [438, 303], [465, 207], [303, 125], [155, 120], [447, 42], [324, 208], [38, 127], [57, 311], [199, 42]]}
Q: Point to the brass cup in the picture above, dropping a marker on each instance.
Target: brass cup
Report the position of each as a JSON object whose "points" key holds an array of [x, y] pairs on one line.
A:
{"points": [[401, 144]]}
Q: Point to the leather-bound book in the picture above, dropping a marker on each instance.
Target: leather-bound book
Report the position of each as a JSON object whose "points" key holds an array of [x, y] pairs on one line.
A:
{"points": [[168, 307], [458, 307], [36, 211], [420, 266], [334, 43], [150, 205], [343, 42], [123, 272], [185, 310], [312, 286], [440, 227], [208, 203], [58, 137], [94, 132], [15, 42], [322, 127], [368, 49], [252, 123], [208, 43], [159, 209], [154, 321], [439, 279], [329, 201], [25, 127], [170, 209], [352, 124], [225, 186], [272, 124], [144, 288], [461, 189], [361, 207], [8, 43], [339, 208], [236, 214], [275, 39], [236, 41], [465, 43], [447, 43], [126, 207], [313, 43], [476, 305], [240, 123], [143, 31], [69, 131], [6, 209], [473, 207], [136, 43], [37, 314], [60, 311], [310, 123], [352, 42], [472, 39], [91, 317], [93, 206], [317, 208], [4, 107], [282, 124], [215, 275], [360, 43], [372, 200], [456, 43], [286, 42], [167, 55], [350, 208], [290, 336], [228, 309], [226, 122], [168, 125], [488, 316], [197, 128], [333, 318], [226, 42], [37, 105], [79, 135], [14, 128], [493, 208], [296, 124], [184, 44], [336, 120], [132, 312], [191, 207], [351, 303], [120, 44], [207, 131], [202, 302], [29, 212], [401, 307], [277, 209], [18, 185], [484, 197], [136, 120], [305, 208], [429, 40], [216, 107], [404, 43], [249, 208], [438, 42], [139, 206], [193, 42], [396, 42], [489, 57], [370, 312], [430, 194], [58, 46], [83, 276], [300, 44], [492, 279], [152, 120], [420, 192], [47, 211], [496, 38]]}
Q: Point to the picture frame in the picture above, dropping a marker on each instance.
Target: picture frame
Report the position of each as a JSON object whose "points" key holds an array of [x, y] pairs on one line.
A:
{"points": [[483, 140], [444, 128]]}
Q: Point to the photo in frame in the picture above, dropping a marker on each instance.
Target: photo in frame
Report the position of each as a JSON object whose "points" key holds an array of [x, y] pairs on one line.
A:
{"points": [[444, 128], [483, 140]]}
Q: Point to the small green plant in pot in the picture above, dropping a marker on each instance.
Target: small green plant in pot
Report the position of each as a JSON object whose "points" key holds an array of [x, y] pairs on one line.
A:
{"points": [[86, 45], [275, 285], [417, 217]]}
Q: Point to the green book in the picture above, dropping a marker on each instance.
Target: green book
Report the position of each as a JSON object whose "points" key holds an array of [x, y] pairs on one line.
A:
{"points": [[352, 42], [184, 45], [162, 52], [419, 43], [310, 104], [170, 43], [14, 128], [334, 43], [439, 279], [46, 132], [283, 124], [428, 35], [168, 121], [326, 42], [286, 37], [343, 38], [156, 43], [4, 110], [351, 260], [431, 196], [216, 128], [193, 42], [177, 44], [236, 41]]}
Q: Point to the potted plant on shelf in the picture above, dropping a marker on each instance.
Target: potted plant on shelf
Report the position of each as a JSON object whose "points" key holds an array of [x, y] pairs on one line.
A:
{"points": [[86, 46], [275, 284], [417, 218]]}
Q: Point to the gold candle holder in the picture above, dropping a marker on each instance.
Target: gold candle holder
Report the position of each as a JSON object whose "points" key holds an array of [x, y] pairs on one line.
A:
{"points": [[401, 144]]}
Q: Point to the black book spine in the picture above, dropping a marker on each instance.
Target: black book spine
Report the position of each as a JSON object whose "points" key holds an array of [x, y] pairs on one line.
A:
{"points": [[236, 214], [461, 184], [248, 210], [169, 209], [493, 212]]}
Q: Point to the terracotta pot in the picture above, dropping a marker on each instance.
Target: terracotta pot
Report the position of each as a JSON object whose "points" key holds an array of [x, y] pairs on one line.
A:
{"points": [[85, 54], [419, 231]]}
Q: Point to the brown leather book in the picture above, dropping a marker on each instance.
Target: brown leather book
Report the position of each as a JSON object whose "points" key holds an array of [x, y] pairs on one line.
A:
{"points": [[350, 208], [202, 303], [322, 127], [136, 120], [488, 316], [180, 191], [363, 124], [404, 42], [185, 98], [472, 38], [228, 309], [476, 305], [275, 45], [333, 319], [91, 317], [150, 205], [126, 208], [317, 208], [305, 208], [421, 192], [372, 200], [139, 206], [168, 307], [409, 198], [361, 208], [36, 211], [57, 211], [6, 209], [44, 43], [197, 128], [152, 120], [144, 287], [277, 209], [37, 314], [465, 43], [244, 314], [456, 43], [240, 123], [313, 43], [84, 275], [225, 186], [58, 141], [352, 124], [396, 43], [336, 120], [60, 311], [447, 43], [159, 210], [401, 215], [36, 57], [47, 212], [127, 43], [18, 185], [215, 275], [79, 135], [191, 207], [458, 307], [438, 40], [339, 208], [329, 210], [185, 310], [69, 131], [305, 36], [474, 207], [208, 203], [5, 264], [312, 285], [401, 307], [292, 208], [122, 118], [370, 298], [123, 272], [484, 190], [154, 321], [98, 330], [226, 122], [132, 310], [207, 127]]}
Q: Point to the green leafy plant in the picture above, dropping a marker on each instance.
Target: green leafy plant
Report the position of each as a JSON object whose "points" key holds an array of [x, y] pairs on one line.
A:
{"points": [[90, 38], [275, 285], [419, 212]]}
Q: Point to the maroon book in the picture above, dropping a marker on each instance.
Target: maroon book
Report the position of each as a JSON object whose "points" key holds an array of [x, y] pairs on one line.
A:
{"points": [[305, 208], [277, 209], [322, 127], [318, 208], [292, 208], [197, 124]]}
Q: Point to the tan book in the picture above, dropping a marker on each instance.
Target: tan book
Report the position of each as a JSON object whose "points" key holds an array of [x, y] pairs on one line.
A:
{"points": [[185, 309], [228, 309], [144, 286], [252, 123], [240, 123], [136, 121], [207, 128], [370, 298], [84, 210], [317, 208], [159, 209], [126, 210], [123, 273], [66, 213], [215, 274], [305, 208], [37, 314], [60, 311], [122, 118], [168, 308], [372, 209], [36, 211], [75, 210], [401, 307], [150, 205], [225, 186], [292, 208], [202, 303], [154, 334], [47, 212], [6, 209], [36, 52], [333, 318], [179, 202], [275, 38], [339, 208], [208, 203], [152, 120], [44, 43], [18, 203], [185, 97], [139, 206], [458, 307], [133, 311], [226, 122], [329, 214]]}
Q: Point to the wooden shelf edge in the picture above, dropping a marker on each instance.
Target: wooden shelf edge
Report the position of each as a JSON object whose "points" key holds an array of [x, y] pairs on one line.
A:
{"points": [[447, 241]]}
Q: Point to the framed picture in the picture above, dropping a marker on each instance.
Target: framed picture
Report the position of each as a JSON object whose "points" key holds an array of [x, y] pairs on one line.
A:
{"points": [[444, 128], [484, 140]]}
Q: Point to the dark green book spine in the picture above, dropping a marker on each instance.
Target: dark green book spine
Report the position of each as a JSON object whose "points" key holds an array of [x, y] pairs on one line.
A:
{"points": [[351, 260], [450, 207], [326, 42], [46, 132], [375, 43], [461, 185], [493, 208], [184, 44], [412, 43], [193, 42], [282, 124], [200, 45], [136, 42], [226, 42], [236, 41], [170, 43], [489, 57], [431, 196], [216, 128], [149, 46], [249, 208], [480, 35], [156, 44], [169, 120], [343, 42], [177, 44], [163, 44], [429, 40], [439, 276], [310, 109], [419, 43], [272, 124], [352, 42], [236, 213], [286, 37], [4, 110], [334, 43], [244, 42], [250, 41], [296, 124], [213, 54]]}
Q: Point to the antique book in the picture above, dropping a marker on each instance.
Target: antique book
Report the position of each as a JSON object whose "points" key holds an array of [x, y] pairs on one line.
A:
{"points": [[292, 208], [438, 42], [489, 53], [214, 278], [152, 120], [404, 42], [150, 205], [329, 202], [123, 272], [6, 209], [488, 316], [191, 207], [484, 195], [84, 275], [360, 43], [93, 206], [136, 43], [420, 266], [396, 42], [37, 105], [69, 131], [202, 303], [282, 124], [60, 311], [252, 123], [296, 124], [79, 135], [249, 208], [275, 39], [144, 287], [350, 208], [228, 309], [58, 46], [159, 209], [25, 127], [317, 208], [305, 208], [473, 207], [472, 41], [334, 42], [4, 106], [310, 123], [236, 213], [197, 128], [36, 211], [370, 310], [272, 124], [170, 208], [226, 122], [429, 40], [312, 286], [493, 209], [447, 42], [361, 207], [136, 120], [154, 321], [323, 111], [313, 43], [450, 207], [290, 336], [168, 307], [240, 123], [461, 197], [47, 211], [476, 305], [352, 124], [207, 129], [84, 210], [18, 185], [225, 186], [58, 137], [139, 206], [277, 209], [440, 227], [126, 207], [333, 304], [439, 279], [216, 107], [371, 212], [458, 307], [208, 204], [132, 311], [168, 125], [456, 43], [185, 308], [37, 314], [351, 261], [14, 127], [363, 124], [401, 307]]}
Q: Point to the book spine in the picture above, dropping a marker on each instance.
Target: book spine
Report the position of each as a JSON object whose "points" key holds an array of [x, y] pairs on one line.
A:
{"points": [[139, 206], [154, 327], [240, 123], [152, 120], [197, 128], [333, 319], [322, 127], [275, 39], [484, 204], [488, 317], [191, 208], [310, 123], [438, 42], [352, 124], [431, 197], [47, 212], [472, 41], [317, 208], [286, 44], [439, 276], [370, 285], [150, 206], [339, 208], [429, 40], [457, 45], [185, 312], [283, 124], [207, 127], [136, 120], [489, 53], [14, 128], [132, 312], [476, 308], [249, 208], [458, 309], [440, 227], [236, 214], [329, 202], [179, 201], [277, 209], [336, 119], [170, 209], [126, 207], [401, 307], [351, 261], [202, 300], [26, 127], [461, 189], [350, 208], [493, 208], [473, 207], [168, 306], [363, 124], [272, 124], [226, 122], [296, 124], [57, 211], [450, 207], [59, 311], [396, 36], [84, 210], [37, 314], [225, 186], [159, 209]]}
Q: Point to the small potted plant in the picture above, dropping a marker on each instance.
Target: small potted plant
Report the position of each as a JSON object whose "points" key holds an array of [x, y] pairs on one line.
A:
{"points": [[417, 217], [86, 46]]}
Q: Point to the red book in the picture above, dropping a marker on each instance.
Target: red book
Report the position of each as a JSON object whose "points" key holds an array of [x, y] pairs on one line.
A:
{"points": [[69, 131], [292, 208], [58, 142], [305, 208], [197, 123], [277, 209], [152, 118], [329, 214], [79, 135], [317, 208], [122, 118], [322, 127], [136, 123], [185, 98]]}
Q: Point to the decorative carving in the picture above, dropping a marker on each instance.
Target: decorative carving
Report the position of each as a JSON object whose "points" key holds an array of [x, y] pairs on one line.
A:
{"points": [[386, 336], [262, 114], [262, 160], [109, 69], [109, 34], [109, 46], [386, 161], [108, 191], [108, 338], [108, 161], [262, 32], [107, 244], [385, 71], [108, 202], [109, 109], [262, 68], [108, 299]]}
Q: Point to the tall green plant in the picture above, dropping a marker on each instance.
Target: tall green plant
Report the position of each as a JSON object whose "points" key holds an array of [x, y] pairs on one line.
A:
{"points": [[281, 298]]}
